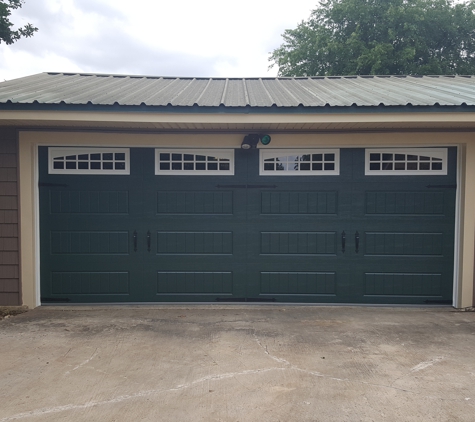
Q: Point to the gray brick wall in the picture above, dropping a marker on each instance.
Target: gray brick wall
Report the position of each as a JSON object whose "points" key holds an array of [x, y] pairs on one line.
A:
{"points": [[9, 241]]}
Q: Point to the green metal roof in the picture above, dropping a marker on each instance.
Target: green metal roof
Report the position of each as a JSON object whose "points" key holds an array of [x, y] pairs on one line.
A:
{"points": [[80, 89]]}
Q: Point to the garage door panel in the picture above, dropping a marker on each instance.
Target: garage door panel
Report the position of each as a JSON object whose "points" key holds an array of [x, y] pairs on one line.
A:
{"points": [[403, 284], [88, 202], [404, 244], [406, 227], [402, 265], [195, 203], [192, 263], [87, 248], [298, 243], [412, 203], [198, 237], [90, 283], [298, 283], [194, 283], [298, 203], [90, 243], [191, 243]]}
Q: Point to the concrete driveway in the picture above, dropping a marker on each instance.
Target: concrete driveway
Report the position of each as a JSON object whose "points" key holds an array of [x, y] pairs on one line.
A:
{"points": [[238, 363]]}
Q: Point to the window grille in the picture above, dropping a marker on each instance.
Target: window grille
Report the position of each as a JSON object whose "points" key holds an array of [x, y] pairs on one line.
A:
{"points": [[406, 161], [299, 162], [196, 162], [63, 160]]}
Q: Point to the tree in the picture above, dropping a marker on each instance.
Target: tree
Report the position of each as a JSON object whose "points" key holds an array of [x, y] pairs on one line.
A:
{"points": [[381, 37], [7, 34]]}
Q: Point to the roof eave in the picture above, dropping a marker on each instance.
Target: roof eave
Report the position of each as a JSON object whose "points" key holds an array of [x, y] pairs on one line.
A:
{"points": [[195, 109]]}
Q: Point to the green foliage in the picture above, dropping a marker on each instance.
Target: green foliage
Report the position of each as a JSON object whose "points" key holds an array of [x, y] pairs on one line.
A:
{"points": [[381, 37], [7, 34]]}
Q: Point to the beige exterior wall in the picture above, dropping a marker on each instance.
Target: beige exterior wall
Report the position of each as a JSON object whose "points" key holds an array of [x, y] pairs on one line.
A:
{"points": [[466, 290], [29, 141]]}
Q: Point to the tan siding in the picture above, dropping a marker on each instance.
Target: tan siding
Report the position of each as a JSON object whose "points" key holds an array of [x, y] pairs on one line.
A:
{"points": [[9, 271], [9, 286], [10, 299], [8, 160], [8, 188], [9, 243], [8, 230], [8, 202], [8, 174], [9, 146], [9, 257], [8, 216]]}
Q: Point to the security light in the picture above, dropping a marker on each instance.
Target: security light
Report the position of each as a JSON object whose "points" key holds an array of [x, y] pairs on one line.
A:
{"points": [[265, 139], [250, 141]]}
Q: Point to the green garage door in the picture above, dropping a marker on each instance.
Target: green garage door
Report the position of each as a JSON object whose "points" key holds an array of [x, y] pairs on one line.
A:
{"points": [[336, 226]]}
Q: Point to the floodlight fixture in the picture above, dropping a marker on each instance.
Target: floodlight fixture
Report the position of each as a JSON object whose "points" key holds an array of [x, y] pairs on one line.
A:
{"points": [[250, 141]]}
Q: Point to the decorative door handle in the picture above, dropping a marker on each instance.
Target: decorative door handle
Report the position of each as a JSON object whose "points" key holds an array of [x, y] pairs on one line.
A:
{"points": [[357, 242], [149, 240], [135, 240], [343, 241]]}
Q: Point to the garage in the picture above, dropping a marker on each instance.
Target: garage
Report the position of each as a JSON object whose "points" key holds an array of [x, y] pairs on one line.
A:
{"points": [[264, 224], [312, 190]]}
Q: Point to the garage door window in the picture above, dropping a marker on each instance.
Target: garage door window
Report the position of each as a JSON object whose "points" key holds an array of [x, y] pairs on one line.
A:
{"points": [[89, 160], [196, 162], [299, 162], [404, 162]]}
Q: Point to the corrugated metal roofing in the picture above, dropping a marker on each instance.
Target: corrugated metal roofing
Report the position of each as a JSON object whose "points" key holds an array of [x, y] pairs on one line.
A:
{"points": [[344, 91]]}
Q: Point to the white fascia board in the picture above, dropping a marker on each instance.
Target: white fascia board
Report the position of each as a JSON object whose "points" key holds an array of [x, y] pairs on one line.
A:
{"points": [[223, 118]]}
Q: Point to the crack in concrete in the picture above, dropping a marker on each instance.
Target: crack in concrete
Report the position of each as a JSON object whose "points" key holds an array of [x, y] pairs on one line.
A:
{"points": [[218, 377], [223, 376], [86, 361], [319, 374], [426, 364], [419, 367], [280, 360], [146, 393]]}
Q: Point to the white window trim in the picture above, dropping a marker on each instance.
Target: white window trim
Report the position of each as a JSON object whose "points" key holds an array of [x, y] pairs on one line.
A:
{"points": [[271, 153], [218, 153], [65, 151], [431, 152]]}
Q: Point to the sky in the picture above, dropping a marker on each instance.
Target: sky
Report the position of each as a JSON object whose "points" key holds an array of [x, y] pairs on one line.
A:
{"points": [[207, 38]]}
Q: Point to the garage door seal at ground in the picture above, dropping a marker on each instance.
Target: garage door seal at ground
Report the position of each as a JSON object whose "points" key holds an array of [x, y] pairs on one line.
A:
{"points": [[237, 305], [237, 363]]}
